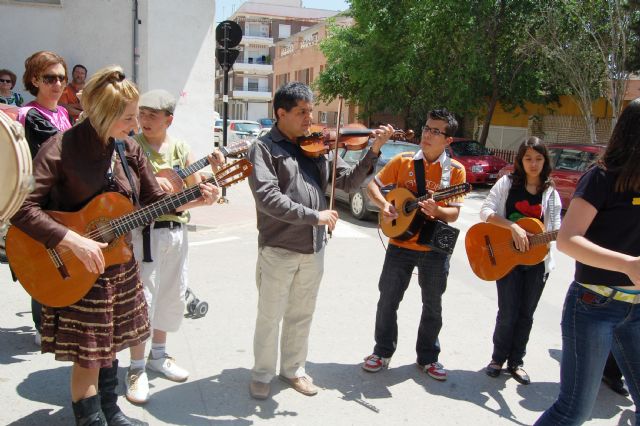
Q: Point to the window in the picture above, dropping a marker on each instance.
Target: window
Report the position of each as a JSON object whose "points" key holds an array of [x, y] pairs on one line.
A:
{"points": [[322, 117], [575, 160], [284, 31], [256, 29], [282, 79], [304, 76], [252, 84]]}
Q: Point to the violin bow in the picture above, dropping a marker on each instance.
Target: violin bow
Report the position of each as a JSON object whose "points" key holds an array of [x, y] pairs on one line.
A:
{"points": [[335, 160]]}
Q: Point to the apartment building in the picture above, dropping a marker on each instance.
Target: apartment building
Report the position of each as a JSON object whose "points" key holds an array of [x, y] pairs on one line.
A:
{"points": [[298, 58], [264, 23]]}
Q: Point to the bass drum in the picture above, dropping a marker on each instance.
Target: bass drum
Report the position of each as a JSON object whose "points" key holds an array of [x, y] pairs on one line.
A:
{"points": [[16, 180]]}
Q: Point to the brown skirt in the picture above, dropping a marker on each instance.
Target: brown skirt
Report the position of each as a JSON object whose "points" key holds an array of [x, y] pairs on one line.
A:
{"points": [[112, 316]]}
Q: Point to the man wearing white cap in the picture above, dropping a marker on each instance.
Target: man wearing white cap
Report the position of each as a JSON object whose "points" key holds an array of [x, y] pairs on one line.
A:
{"points": [[161, 248]]}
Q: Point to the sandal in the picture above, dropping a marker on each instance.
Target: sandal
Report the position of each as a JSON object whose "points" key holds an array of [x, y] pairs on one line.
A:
{"points": [[493, 369]]}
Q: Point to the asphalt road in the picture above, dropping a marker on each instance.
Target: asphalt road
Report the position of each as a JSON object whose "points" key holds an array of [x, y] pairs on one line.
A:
{"points": [[217, 349]]}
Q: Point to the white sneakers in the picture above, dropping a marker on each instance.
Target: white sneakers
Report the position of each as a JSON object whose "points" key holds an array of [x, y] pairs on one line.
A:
{"points": [[137, 386], [137, 381], [38, 339], [167, 366]]}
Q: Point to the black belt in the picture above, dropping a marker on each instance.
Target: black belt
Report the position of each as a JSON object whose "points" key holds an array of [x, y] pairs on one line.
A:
{"points": [[167, 224]]}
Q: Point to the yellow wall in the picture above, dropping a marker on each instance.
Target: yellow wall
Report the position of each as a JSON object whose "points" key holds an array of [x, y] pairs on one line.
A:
{"points": [[566, 106]]}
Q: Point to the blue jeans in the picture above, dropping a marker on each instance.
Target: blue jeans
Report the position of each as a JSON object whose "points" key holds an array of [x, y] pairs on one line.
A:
{"points": [[592, 325], [433, 270], [518, 295]]}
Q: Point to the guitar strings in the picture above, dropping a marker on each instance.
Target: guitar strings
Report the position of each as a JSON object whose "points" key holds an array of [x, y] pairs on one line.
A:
{"points": [[230, 171]]}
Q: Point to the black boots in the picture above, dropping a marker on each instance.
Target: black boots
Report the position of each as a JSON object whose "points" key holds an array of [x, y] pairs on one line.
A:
{"points": [[87, 412], [107, 383]]}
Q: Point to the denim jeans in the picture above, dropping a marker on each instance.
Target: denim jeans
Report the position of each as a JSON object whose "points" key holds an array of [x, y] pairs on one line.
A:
{"points": [[433, 270], [518, 295], [592, 325]]}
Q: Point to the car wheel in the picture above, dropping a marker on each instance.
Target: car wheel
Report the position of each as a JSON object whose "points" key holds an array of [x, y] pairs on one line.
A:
{"points": [[358, 206]]}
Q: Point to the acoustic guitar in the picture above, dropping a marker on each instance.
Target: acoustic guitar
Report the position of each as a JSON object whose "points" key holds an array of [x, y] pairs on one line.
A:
{"points": [[56, 277], [410, 219], [491, 251], [176, 177]]}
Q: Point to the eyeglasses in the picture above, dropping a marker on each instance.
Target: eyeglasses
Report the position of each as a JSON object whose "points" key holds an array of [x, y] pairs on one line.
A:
{"points": [[433, 131], [2, 80], [52, 78]]}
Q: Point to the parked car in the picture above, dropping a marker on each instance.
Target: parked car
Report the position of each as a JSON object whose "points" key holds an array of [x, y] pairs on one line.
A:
{"points": [[266, 123], [481, 165], [568, 163], [217, 132], [242, 129], [359, 204]]}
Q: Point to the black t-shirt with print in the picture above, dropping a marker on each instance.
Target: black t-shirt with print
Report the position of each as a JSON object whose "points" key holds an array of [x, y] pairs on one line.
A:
{"points": [[616, 226], [521, 203]]}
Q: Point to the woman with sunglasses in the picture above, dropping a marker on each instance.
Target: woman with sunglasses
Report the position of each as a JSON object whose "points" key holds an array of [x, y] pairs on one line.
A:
{"points": [[45, 77], [7, 83], [70, 170]]}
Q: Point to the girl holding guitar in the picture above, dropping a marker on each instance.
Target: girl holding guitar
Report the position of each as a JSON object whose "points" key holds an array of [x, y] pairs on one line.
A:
{"points": [[527, 192], [602, 232], [70, 170]]}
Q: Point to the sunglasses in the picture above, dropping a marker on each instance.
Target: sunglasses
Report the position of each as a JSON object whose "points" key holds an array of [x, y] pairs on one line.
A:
{"points": [[2, 80], [52, 78]]}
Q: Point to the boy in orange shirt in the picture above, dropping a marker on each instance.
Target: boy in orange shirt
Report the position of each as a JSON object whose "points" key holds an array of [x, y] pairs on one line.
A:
{"points": [[438, 171]]}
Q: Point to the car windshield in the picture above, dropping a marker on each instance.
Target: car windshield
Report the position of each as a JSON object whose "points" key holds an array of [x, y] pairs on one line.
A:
{"points": [[390, 150], [470, 148], [246, 127], [266, 121], [218, 123]]}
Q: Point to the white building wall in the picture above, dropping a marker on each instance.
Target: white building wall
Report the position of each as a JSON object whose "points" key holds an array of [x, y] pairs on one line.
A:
{"points": [[176, 47]]}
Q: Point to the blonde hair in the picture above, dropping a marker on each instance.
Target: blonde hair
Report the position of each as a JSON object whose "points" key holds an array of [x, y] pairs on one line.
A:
{"points": [[105, 97]]}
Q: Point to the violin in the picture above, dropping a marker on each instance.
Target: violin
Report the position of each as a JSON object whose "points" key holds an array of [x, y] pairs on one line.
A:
{"points": [[352, 137]]}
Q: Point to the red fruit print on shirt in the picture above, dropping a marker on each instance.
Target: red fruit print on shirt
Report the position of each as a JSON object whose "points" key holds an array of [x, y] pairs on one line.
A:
{"points": [[528, 210]]}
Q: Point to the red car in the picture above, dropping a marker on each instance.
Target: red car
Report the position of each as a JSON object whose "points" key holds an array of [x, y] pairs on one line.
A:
{"points": [[479, 162], [568, 163]]}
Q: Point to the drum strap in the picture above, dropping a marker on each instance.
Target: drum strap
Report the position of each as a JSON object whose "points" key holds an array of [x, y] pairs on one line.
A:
{"points": [[146, 231]]}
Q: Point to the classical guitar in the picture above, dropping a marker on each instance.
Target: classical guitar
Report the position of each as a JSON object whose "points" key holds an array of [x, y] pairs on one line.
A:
{"points": [[176, 177], [56, 277], [410, 220], [491, 251]]}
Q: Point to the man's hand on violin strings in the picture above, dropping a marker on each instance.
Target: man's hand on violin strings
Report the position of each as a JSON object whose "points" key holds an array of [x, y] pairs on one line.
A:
{"points": [[329, 218], [381, 136]]}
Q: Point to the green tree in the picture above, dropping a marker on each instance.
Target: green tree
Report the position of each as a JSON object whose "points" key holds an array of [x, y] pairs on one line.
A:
{"points": [[406, 57]]}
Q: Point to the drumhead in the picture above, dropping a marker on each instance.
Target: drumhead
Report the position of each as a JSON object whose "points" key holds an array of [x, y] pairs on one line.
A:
{"points": [[15, 167]]}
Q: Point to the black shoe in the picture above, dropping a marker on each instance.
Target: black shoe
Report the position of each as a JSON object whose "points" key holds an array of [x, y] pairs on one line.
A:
{"points": [[520, 375], [616, 385], [493, 369]]}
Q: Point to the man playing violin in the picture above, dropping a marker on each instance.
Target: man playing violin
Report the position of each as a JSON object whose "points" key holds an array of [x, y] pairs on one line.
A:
{"points": [[292, 213], [438, 171]]}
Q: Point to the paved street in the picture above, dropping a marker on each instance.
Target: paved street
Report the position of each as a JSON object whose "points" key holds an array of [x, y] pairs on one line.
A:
{"points": [[217, 349]]}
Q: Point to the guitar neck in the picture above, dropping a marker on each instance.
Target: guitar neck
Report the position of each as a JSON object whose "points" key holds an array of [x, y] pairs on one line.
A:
{"points": [[148, 214], [192, 168], [543, 238], [204, 161]]}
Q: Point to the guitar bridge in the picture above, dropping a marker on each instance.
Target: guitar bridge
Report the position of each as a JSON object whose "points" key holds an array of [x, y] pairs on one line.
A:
{"points": [[492, 256], [57, 261]]}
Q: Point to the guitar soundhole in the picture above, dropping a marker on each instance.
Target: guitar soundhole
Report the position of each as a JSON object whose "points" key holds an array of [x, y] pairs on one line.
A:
{"points": [[102, 231]]}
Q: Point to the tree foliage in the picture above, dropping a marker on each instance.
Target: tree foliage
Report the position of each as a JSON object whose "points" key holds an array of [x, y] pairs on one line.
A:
{"points": [[407, 57]]}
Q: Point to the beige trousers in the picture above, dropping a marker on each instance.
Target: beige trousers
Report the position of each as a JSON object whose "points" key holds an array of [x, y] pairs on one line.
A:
{"points": [[288, 284]]}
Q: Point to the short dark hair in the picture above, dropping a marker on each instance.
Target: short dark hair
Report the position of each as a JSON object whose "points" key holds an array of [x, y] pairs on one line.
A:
{"points": [[446, 116], [36, 64], [11, 75], [79, 66], [290, 94]]}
